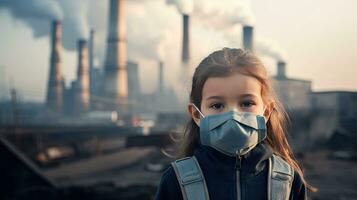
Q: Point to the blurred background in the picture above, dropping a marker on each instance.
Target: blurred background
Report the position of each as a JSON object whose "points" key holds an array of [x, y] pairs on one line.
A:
{"points": [[91, 91]]}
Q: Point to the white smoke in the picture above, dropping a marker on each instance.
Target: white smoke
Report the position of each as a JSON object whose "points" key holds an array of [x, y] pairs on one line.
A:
{"points": [[37, 14], [242, 14], [49, 9], [185, 6], [171, 2], [271, 49], [164, 44], [148, 32], [229, 20], [218, 15], [75, 21]]}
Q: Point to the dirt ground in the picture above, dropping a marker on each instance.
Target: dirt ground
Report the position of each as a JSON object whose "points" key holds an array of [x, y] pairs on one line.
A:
{"points": [[334, 178]]}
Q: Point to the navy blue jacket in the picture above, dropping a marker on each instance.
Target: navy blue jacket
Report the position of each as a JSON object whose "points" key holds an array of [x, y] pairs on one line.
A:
{"points": [[219, 172]]}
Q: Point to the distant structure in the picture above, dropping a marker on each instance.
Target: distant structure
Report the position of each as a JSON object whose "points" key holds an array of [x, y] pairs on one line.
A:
{"points": [[333, 110], [186, 39], [133, 83], [54, 99], [96, 77], [161, 78], [91, 62], [293, 93], [81, 87], [115, 71], [281, 71], [248, 38]]}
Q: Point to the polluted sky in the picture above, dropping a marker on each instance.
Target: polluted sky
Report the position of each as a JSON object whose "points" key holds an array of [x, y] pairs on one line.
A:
{"points": [[317, 39]]}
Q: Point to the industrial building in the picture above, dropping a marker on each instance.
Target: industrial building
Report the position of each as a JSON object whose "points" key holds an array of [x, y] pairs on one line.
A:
{"points": [[333, 110], [293, 93]]}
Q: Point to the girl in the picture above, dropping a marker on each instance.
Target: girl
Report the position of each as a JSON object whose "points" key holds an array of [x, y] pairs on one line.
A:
{"points": [[234, 146]]}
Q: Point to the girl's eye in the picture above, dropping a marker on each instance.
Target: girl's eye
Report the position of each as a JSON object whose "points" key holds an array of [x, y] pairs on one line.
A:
{"points": [[217, 106], [247, 104]]}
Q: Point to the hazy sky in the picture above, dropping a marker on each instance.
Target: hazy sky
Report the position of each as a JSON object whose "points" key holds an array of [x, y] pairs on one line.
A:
{"points": [[319, 38]]}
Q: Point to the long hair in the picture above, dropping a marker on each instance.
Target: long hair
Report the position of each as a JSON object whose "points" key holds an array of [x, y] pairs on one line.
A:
{"points": [[222, 63]]}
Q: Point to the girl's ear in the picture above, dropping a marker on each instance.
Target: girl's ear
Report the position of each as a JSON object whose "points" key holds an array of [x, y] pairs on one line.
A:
{"points": [[194, 114], [268, 110]]}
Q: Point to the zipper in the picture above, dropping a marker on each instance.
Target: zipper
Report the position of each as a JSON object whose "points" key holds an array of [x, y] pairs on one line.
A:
{"points": [[238, 166]]}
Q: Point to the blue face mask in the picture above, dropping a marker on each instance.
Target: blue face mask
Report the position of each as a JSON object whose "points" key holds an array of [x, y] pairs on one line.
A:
{"points": [[232, 133]]}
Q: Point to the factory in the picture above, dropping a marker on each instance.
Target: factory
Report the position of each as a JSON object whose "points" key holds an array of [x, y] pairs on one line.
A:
{"points": [[333, 110], [315, 115], [113, 87]]}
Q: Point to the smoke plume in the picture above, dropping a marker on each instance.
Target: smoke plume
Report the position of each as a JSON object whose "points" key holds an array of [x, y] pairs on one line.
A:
{"points": [[153, 28], [38, 13], [270, 48], [185, 6]]}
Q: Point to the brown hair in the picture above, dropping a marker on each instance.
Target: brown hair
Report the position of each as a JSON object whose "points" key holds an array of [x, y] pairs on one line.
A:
{"points": [[223, 63]]}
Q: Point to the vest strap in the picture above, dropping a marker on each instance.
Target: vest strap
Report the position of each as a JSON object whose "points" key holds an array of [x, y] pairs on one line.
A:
{"points": [[191, 180], [193, 185], [280, 178]]}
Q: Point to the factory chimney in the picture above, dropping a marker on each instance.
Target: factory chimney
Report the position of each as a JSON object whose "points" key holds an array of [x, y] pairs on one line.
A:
{"points": [[81, 94], [91, 61], [54, 99], [281, 74], [248, 38], [116, 75], [161, 77], [186, 39]]}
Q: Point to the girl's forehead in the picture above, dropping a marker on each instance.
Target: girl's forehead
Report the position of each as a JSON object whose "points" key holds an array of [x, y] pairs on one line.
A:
{"points": [[231, 86]]}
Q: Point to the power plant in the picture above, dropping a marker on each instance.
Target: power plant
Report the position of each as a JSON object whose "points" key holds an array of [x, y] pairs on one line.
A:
{"points": [[54, 100], [81, 94], [116, 74], [115, 86]]}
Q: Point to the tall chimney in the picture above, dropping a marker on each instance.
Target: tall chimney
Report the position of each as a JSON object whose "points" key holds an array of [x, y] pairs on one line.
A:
{"points": [[133, 82], [186, 39], [81, 94], [248, 38], [161, 77], [281, 74], [91, 61], [116, 76], [54, 99]]}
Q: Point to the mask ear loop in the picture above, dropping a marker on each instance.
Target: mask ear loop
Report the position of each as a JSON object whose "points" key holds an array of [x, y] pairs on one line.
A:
{"points": [[198, 110]]}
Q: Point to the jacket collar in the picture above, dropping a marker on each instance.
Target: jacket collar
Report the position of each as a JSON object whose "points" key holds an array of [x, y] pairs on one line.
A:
{"points": [[252, 162]]}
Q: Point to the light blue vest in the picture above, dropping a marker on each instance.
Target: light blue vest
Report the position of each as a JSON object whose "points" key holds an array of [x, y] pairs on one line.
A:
{"points": [[193, 184]]}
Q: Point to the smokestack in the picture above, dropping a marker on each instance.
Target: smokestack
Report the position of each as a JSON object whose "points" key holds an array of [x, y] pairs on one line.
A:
{"points": [[248, 38], [116, 77], [161, 77], [133, 82], [281, 74], [91, 61], [186, 39], [82, 84], [54, 99]]}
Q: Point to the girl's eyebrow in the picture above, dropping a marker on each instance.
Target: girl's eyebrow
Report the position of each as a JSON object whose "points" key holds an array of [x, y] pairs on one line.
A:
{"points": [[214, 97], [248, 95], [240, 96]]}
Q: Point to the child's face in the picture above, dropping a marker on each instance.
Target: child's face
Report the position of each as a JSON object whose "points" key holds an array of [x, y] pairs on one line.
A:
{"points": [[237, 92]]}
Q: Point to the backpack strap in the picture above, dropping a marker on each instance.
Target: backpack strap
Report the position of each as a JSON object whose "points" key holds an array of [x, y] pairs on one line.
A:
{"points": [[280, 178], [191, 180]]}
